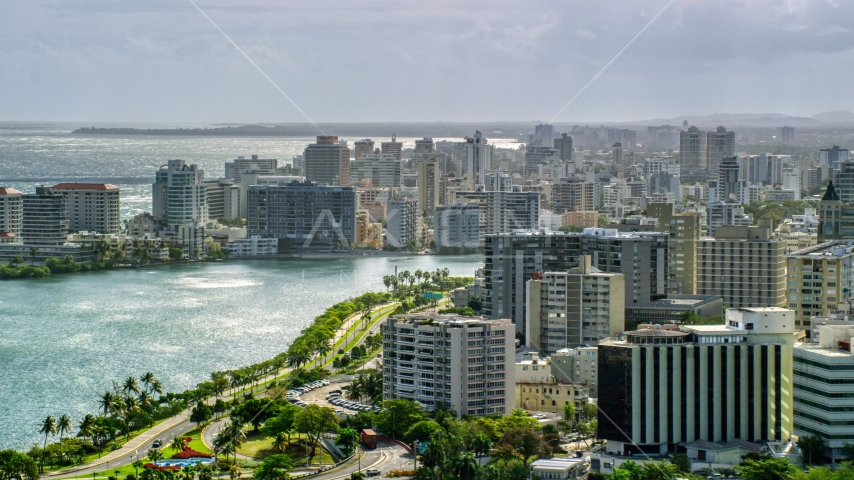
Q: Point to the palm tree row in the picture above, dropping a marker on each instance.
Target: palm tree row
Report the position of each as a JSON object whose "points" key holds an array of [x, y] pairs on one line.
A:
{"points": [[406, 284], [367, 385]]}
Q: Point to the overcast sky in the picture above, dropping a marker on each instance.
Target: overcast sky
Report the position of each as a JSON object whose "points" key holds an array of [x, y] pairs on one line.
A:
{"points": [[345, 60]]}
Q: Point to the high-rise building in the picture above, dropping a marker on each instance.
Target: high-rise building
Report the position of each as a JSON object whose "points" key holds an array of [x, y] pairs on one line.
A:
{"points": [[512, 258], [466, 364], [563, 145], [179, 195], [832, 157], [820, 277], [305, 212], [368, 234], [401, 222], [786, 135], [11, 215], [574, 308], [723, 214], [457, 226], [476, 157], [543, 135], [537, 156], [327, 162], [45, 217], [684, 231], [836, 219], [824, 390], [382, 169], [262, 166], [729, 186], [670, 387], [845, 182], [223, 198], [617, 157], [363, 147], [573, 193], [91, 207], [744, 265], [393, 147], [700, 153], [502, 212], [429, 186]]}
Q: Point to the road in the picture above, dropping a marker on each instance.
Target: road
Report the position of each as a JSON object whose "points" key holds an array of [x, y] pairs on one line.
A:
{"points": [[387, 456]]}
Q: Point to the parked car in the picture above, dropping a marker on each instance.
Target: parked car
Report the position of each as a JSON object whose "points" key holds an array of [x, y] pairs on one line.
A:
{"points": [[156, 444], [372, 472]]}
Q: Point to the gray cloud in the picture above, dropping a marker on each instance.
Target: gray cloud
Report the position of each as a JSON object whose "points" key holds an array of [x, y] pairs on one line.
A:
{"points": [[160, 60]]}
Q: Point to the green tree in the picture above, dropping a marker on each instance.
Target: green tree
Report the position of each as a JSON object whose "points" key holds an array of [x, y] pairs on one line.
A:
{"points": [[63, 426], [768, 469], [314, 421], [274, 467], [201, 413], [48, 428], [252, 411], [812, 449], [347, 440], [526, 442], [398, 416], [465, 467], [17, 466], [154, 455], [34, 252], [682, 462], [422, 431], [569, 412]]}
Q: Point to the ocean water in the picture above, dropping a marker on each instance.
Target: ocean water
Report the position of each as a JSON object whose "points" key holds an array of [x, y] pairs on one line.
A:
{"points": [[64, 339]]}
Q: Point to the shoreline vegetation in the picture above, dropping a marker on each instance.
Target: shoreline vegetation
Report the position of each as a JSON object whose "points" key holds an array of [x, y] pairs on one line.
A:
{"points": [[130, 408]]}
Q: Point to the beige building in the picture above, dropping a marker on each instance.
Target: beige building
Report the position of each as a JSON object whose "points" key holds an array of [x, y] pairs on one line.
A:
{"points": [[550, 397], [797, 240], [574, 308], [744, 265], [429, 186], [11, 215], [715, 383], [581, 218], [684, 230], [368, 234], [464, 363], [327, 161], [819, 278], [533, 369], [91, 207]]}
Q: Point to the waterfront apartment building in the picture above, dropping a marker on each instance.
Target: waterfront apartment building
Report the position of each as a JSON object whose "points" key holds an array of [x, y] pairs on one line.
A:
{"points": [[457, 226], [304, 212], [11, 215], [429, 186], [512, 258], [92, 207], [393, 148], [401, 222], [368, 234], [223, 198], [262, 166], [45, 217], [824, 389], [327, 162], [668, 386], [573, 308], [254, 246], [464, 363], [502, 212], [362, 147], [744, 265], [179, 195], [819, 278], [382, 169]]}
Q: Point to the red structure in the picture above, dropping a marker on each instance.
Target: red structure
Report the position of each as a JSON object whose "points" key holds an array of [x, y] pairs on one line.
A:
{"points": [[369, 438]]}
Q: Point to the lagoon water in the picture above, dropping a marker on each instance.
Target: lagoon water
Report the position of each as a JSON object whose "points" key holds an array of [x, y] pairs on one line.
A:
{"points": [[64, 339]]}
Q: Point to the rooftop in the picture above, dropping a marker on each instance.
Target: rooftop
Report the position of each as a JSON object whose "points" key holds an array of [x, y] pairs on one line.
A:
{"points": [[9, 191], [85, 186]]}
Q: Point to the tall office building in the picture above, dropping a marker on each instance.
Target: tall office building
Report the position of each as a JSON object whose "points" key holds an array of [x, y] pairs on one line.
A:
{"points": [[574, 308], [563, 145], [45, 217], [669, 388], [393, 147], [429, 186], [382, 169], [573, 193], [512, 258], [729, 185], [363, 147], [537, 156], [543, 135], [223, 198], [476, 157], [457, 226], [824, 390], [179, 194], [305, 212], [744, 265], [467, 364], [684, 232], [786, 135], [700, 153], [91, 207], [11, 215], [401, 222], [502, 212], [262, 166], [617, 157], [820, 277], [723, 214], [327, 161], [833, 157]]}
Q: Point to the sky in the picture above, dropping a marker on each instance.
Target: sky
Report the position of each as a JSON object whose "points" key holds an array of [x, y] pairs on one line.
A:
{"points": [[440, 60]]}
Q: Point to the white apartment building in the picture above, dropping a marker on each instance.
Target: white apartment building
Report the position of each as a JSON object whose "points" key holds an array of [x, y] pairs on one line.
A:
{"points": [[178, 194], [402, 222], [382, 169], [11, 215], [464, 363], [91, 207], [457, 226], [45, 219], [262, 166], [252, 247]]}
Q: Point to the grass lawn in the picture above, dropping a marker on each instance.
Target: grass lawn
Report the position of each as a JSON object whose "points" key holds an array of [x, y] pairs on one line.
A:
{"points": [[259, 446], [196, 444]]}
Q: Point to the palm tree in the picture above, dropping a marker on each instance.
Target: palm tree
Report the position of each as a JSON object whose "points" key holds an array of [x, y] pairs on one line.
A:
{"points": [[17, 261], [465, 467], [281, 442], [64, 426], [130, 386], [136, 466], [34, 252], [86, 427], [48, 428], [128, 407], [106, 401], [147, 379], [178, 444], [357, 476], [154, 455]]}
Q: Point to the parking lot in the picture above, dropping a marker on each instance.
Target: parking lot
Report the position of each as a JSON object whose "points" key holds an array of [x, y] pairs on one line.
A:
{"points": [[318, 396]]}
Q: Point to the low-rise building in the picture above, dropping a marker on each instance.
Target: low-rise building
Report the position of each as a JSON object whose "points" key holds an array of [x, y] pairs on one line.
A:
{"points": [[674, 309], [551, 396], [559, 468], [463, 363], [577, 365], [253, 246]]}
